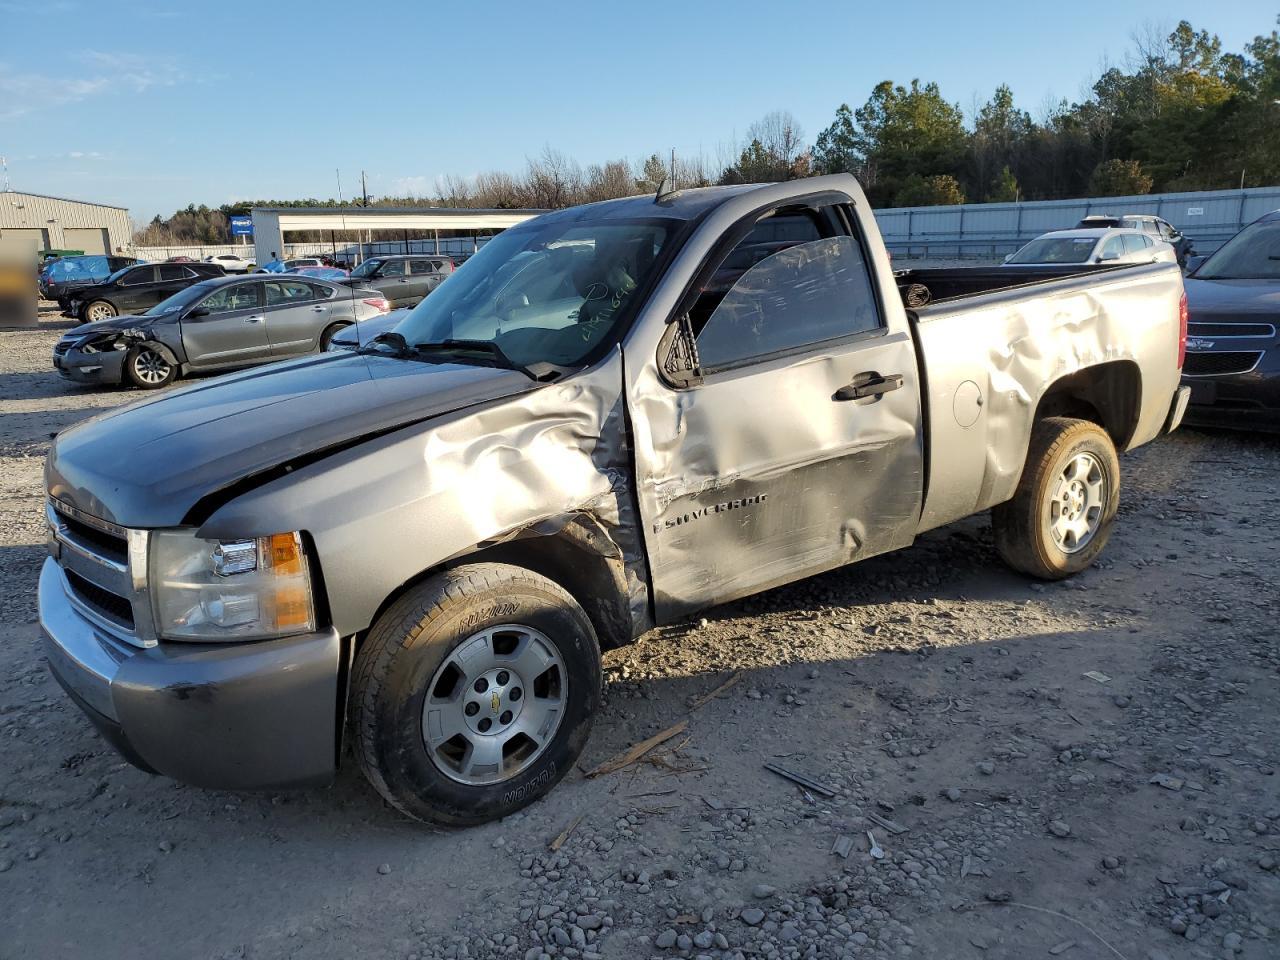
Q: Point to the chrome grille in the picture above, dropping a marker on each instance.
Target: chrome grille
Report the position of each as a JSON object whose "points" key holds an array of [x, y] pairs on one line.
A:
{"points": [[1224, 331], [1220, 363], [104, 571]]}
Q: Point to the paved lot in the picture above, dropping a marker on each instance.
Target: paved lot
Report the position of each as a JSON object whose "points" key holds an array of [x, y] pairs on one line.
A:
{"points": [[1025, 810]]}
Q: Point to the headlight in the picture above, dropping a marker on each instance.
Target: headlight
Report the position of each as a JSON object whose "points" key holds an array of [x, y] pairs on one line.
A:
{"points": [[230, 590]]}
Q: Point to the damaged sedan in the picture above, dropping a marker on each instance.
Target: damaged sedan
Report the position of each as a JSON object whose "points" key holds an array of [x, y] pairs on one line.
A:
{"points": [[212, 326], [609, 418]]}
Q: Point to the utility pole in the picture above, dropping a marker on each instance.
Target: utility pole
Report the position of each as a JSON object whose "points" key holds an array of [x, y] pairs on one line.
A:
{"points": [[364, 188], [4, 171]]}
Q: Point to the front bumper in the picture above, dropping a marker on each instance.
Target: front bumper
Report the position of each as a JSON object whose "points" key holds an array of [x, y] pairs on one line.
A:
{"points": [[249, 715], [1242, 401], [105, 366]]}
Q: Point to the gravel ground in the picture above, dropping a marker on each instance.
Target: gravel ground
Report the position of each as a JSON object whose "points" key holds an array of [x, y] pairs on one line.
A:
{"points": [[1023, 808]]}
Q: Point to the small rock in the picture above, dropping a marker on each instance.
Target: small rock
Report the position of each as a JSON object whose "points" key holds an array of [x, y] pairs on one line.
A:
{"points": [[703, 940], [384, 868], [762, 891], [1233, 942], [999, 896], [665, 940], [5, 864], [1111, 863], [752, 916], [986, 768], [1059, 829], [953, 794], [165, 846]]}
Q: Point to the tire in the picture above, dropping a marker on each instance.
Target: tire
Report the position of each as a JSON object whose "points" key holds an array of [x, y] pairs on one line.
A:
{"points": [[1061, 516], [329, 333], [98, 310], [147, 368], [506, 616]]}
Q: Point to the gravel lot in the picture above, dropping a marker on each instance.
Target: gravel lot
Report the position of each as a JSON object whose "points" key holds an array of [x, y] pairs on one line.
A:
{"points": [[1024, 809]]}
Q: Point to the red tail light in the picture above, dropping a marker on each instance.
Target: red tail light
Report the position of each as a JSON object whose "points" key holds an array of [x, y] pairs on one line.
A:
{"points": [[382, 305], [1182, 330]]}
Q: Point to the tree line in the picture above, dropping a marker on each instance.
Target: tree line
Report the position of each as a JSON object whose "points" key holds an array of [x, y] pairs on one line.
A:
{"points": [[1180, 114]]}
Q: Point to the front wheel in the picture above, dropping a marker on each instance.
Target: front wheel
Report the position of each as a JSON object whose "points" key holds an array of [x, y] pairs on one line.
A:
{"points": [[1062, 513], [147, 368], [474, 693]]}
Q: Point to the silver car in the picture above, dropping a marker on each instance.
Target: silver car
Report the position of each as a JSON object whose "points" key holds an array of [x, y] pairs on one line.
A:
{"points": [[216, 325], [1092, 245]]}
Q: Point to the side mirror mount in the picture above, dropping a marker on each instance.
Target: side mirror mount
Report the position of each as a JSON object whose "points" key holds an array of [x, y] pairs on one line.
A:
{"points": [[1008, 257], [682, 366], [1108, 255], [195, 313], [1194, 262]]}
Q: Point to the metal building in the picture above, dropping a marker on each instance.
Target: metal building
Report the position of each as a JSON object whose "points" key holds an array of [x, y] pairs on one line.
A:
{"points": [[30, 222], [270, 224]]}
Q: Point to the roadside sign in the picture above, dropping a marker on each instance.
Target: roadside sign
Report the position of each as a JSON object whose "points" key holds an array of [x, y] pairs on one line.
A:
{"points": [[1195, 211], [241, 226]]}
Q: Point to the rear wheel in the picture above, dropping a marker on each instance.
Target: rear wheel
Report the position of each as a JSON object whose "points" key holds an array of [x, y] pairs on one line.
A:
{"points": [[474, 693], [99, 310], [329, 333], [1061, 515], [147, 368]]}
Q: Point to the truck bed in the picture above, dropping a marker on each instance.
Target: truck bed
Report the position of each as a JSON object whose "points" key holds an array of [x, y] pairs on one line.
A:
{"points": [[988, 350], [944, 284]]}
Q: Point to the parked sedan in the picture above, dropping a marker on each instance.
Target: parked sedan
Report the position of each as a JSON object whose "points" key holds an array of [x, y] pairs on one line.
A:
{"points": [[1154, 227], [1092, 245], [404, 279], [135, 289], [1233, 350], [214, 325]]}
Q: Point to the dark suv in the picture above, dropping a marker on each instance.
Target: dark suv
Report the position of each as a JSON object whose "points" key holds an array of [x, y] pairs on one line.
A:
{"points": [[61, 279], [404, 279], [136, 289]]}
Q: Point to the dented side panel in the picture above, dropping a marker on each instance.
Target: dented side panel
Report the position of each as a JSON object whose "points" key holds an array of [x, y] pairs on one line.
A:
{"points": [[759, 476], [991, 358], [383, 512]]}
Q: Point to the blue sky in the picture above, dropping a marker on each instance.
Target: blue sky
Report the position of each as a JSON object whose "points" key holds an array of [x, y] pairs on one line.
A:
{"points": [[155, 105]]}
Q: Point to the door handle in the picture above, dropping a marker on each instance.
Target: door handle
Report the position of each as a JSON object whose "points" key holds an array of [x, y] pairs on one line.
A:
{"points": [[319, 309], [868, 384], [253, 319]]}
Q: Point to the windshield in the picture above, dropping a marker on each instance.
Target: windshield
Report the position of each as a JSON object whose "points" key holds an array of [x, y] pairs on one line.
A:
{"points": [[542, 293], [1252, 254], [1056, 250], [181, 299], [366, 269]]}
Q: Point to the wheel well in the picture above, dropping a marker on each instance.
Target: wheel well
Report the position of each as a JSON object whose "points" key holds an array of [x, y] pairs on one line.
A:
{"points": [[1108, 394], [577, 554]]}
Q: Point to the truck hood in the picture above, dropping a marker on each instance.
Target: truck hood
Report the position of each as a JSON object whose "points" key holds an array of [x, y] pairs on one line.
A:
{"points": [[147, 464], [1225, 300]]}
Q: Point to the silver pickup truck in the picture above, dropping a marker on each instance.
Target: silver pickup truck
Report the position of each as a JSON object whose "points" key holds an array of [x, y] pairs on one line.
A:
{"points": [[611, 417]]}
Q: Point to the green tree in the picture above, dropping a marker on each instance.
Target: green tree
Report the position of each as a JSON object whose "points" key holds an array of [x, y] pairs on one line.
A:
{"points": [[1005, 188], [1119, 178], [836, 150], [904, 132], [936, 191]]}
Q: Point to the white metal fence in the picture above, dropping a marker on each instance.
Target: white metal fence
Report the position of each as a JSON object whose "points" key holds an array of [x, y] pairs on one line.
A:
{"points": [[991, 229]]}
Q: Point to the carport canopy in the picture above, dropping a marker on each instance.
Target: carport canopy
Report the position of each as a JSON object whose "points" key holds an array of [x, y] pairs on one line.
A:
{"points": [[270, 224]]}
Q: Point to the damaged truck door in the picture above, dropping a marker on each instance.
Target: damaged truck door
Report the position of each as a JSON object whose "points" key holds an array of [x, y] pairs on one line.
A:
{"points": [[798, 447], [610, 417]]}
